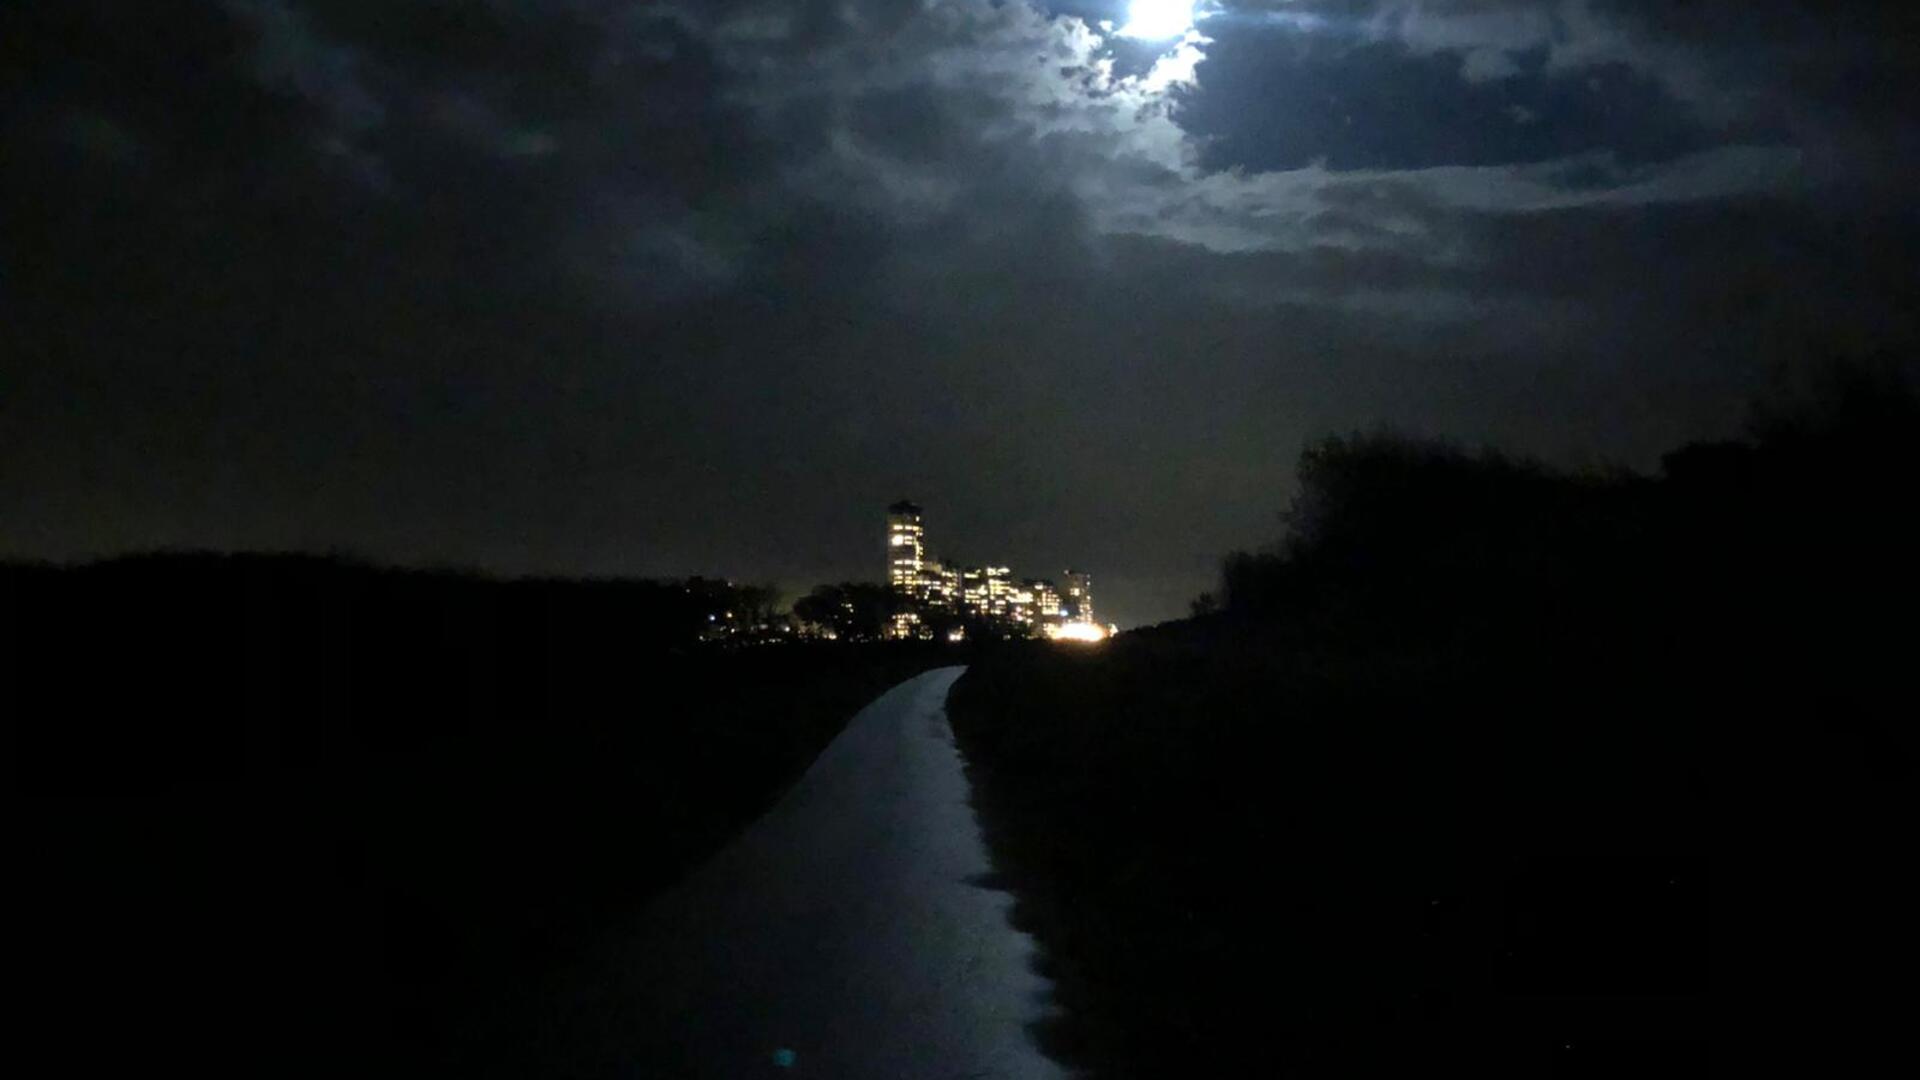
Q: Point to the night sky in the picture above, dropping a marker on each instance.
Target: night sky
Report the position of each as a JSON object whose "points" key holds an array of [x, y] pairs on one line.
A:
{"points": [[600, 287]]}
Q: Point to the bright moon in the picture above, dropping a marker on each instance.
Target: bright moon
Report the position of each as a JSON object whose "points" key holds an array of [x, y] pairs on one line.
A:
{"points": [[1156, 19]]}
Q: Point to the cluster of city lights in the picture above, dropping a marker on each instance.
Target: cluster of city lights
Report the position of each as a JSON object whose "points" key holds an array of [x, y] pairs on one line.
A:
{"points": [[934, 593], [1077, 631]]}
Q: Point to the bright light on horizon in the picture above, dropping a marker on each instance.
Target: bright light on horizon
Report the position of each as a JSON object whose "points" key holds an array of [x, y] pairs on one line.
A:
{"points": [[1077, 631], [1155, 20]]}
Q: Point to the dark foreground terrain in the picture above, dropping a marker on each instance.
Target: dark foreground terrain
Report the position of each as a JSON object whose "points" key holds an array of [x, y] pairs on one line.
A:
{"points": [[286, 816], [1489, 770]]}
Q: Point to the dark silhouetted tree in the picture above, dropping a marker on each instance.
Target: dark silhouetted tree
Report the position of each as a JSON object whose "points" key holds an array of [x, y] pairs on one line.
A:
{"points": [[853, 610]]}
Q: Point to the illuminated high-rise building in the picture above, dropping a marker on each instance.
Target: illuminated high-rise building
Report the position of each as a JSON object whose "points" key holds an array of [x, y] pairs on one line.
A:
{"points": [[906, 566], [999, 591], [942, 580], [906, 548], [1079, 598], [973, 591], [1020, 609], [1046, 599]]}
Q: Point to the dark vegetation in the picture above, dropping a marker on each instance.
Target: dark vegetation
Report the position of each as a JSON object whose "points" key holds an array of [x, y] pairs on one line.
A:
{"points": [[310, 817], [1472, 772], [851, 610]]}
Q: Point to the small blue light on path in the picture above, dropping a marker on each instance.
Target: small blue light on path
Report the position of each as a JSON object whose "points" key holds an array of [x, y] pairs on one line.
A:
{"points": [[785, 1058]]}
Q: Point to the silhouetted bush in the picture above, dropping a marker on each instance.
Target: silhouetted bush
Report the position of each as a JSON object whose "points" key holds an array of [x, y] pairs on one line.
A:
{"points": [[1443, 787], [1383, 521], [852, 610]]}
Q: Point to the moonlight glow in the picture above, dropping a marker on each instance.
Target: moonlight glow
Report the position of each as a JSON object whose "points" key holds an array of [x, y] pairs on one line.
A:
{"points": [[1157, 19]]}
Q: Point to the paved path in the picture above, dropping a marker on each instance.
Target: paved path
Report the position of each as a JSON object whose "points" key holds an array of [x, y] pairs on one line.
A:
{"points": [[840, 936]]}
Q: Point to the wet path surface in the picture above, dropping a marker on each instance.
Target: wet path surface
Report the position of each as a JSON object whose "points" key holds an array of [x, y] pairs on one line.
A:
{"points": [[843, 935]]}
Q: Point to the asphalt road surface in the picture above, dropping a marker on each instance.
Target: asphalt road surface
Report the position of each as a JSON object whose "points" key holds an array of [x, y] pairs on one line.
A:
{"points": [[844, 935]]}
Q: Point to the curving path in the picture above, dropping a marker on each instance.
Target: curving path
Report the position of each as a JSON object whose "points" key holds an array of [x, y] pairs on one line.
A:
{"points": [[840, 936]]}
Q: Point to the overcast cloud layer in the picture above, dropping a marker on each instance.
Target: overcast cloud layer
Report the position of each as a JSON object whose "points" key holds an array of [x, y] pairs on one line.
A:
{"points": [[653, 288]]}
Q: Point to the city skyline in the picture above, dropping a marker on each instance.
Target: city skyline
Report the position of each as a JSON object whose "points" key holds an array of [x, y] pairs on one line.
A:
{"points": [[941, 596]]}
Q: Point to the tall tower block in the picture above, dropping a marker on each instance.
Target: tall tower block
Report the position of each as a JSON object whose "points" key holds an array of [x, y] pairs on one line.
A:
{"points": [[906, 548], [1079, 605]]}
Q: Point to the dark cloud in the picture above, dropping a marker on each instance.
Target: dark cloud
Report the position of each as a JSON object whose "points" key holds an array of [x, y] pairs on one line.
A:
{"points": [[574, 286], [1281, 98]]}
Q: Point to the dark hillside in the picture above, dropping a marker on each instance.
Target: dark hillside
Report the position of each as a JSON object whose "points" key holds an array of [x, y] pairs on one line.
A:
{"points": [[1460, 774], [329, 809]]}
